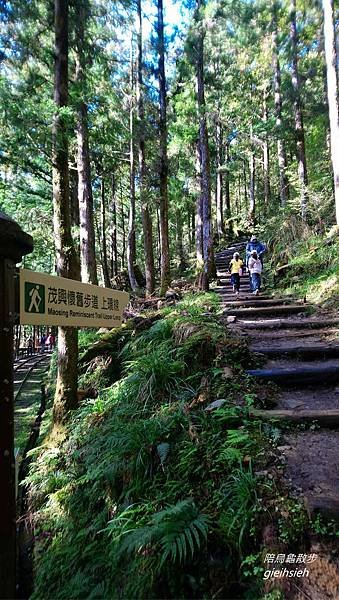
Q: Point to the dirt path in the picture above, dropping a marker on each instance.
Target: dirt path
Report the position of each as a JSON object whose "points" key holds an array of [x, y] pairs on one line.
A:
{"points": [[299, 350]]}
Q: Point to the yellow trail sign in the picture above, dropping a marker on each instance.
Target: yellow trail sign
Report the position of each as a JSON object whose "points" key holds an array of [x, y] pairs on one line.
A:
{"points": [[49, 300]]}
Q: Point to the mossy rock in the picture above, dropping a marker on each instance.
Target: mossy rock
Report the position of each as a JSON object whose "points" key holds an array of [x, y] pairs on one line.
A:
{"points": [[111, 342], [116, 338], [234, 351]]}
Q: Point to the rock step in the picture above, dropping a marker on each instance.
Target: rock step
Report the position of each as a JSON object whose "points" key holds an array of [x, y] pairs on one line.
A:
{"points": [[289, 324], [305, 374], [259, 301], [229, 255], [325, 418], [314, 351], [227, 289], [229, 292], [269, 310], [234, 247], [226, 258], [226, 275], [298, 335], [311, 397], [243, 298], [326, 506]]}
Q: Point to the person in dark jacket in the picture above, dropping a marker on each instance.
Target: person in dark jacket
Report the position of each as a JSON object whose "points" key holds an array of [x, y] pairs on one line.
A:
{"points": [[259, 247]]}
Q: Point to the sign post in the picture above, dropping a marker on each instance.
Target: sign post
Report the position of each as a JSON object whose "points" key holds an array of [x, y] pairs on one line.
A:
{"points": [[14, 244], [50, 300]]}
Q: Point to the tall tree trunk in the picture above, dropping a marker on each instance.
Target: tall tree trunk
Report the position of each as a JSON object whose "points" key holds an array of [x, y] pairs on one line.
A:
{"points": [[105, 270], [238, 197], [163, 175], [145, 212], [205, 179], [252, 207], [332, 95], [75, 217], [158, 241], [266, 156], [74, 197], [179, 240], [87, 235], [282, 162], [227, 182], [219, 186], [131, 249], [114, 241], [193, 227], [189, 231], [199, 248], [123, 231], [298, 115], [66, 260], [245, 182]]}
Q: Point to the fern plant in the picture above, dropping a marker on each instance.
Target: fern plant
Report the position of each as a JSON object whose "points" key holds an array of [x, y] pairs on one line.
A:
{"points": [[239, 496], [172, 534]]}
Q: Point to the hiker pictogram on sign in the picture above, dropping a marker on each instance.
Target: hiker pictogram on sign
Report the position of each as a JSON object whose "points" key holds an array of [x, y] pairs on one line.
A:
{"points": [[34, 298]]}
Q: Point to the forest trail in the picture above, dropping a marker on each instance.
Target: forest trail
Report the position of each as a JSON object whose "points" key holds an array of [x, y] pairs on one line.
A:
{"points": [[298, 346]]}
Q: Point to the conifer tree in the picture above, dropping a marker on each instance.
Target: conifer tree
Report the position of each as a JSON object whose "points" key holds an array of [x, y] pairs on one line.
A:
{"points": [[85, 195], [298, 114], [145, 211], [163, 203], [332, 94], [66, 260], [204, 202]]}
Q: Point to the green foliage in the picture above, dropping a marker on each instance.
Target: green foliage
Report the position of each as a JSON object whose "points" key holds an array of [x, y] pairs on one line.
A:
{"points": [[238, 498], [173, 534], [145, 482], [292, 521], [156, 372], [325, 527], [148, 492], [313, 259]]}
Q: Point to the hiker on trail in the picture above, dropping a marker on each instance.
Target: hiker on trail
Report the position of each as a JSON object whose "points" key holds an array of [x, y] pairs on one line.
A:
{"points": [[235, 268], [259, 247], [50, 341], [43, 342], [30, 344], [255, 269]]}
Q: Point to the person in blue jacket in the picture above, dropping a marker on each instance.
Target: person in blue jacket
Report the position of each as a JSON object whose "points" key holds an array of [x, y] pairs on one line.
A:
{"points": [[259, 247]]}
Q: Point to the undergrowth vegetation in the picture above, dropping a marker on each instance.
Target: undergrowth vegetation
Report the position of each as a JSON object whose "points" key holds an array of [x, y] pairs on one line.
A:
{"points": [[156, 489], [310, 255]]}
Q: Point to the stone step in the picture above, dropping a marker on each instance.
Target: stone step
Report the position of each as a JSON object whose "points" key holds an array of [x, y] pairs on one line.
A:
{"points": [[290, 324], [309, 352], [229, 299], [258, 301], [234, 248], [304, 374], [325, 418], [269, 310], [228, 291], [226, 276], [309, 397]]}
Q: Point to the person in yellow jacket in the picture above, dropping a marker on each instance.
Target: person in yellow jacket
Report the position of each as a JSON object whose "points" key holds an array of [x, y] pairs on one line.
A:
{"points": [[235, 268]]}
